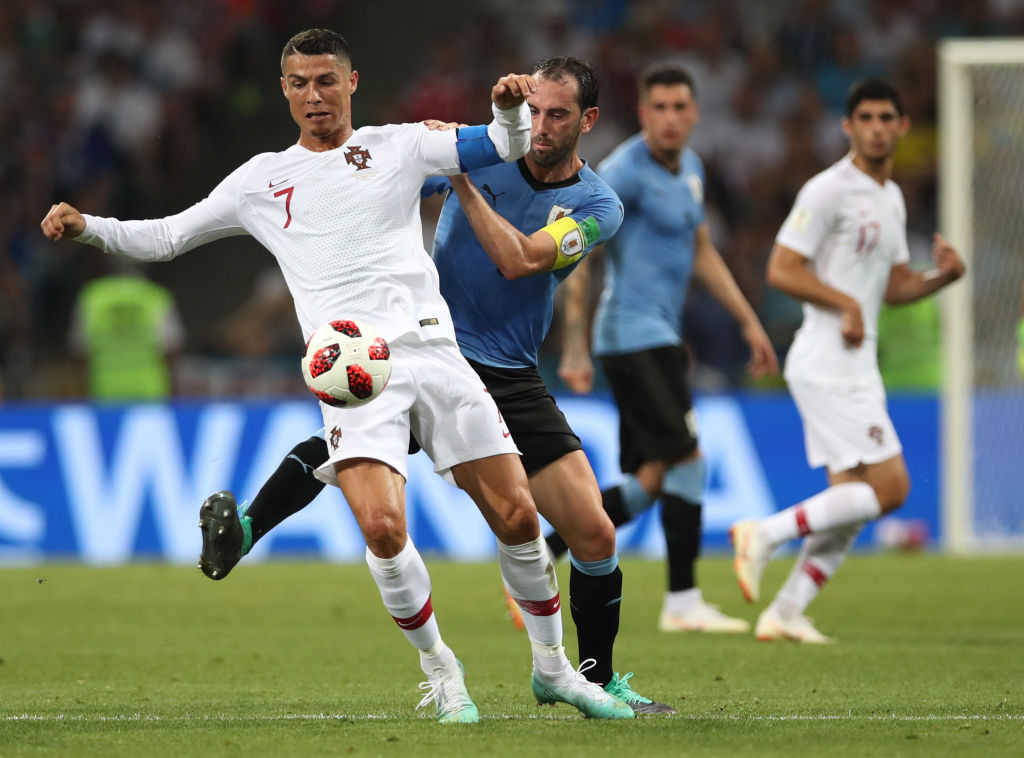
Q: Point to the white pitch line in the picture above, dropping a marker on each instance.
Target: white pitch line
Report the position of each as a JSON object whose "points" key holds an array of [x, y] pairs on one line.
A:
{"points": [[221, 718]]}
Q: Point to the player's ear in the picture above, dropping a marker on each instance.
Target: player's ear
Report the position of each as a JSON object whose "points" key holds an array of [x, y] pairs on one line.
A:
{"points": [[589, 119], [641, 113], [353, 81], [284, 88], [847, 127], [904, 125]]}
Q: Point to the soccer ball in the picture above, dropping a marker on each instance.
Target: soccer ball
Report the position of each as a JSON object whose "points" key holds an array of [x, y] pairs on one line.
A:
{"points": [[346, 363]]}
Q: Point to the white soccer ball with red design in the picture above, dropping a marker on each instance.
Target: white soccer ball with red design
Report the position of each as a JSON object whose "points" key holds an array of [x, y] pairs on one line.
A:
{"points": [[346, 363]]}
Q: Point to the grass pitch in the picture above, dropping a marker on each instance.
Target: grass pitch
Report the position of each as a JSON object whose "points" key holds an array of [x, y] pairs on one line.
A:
{"points": [[302, 660]]}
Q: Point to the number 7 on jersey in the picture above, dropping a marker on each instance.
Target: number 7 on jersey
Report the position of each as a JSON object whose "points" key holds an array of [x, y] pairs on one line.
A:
{"points": [[287, 192]]}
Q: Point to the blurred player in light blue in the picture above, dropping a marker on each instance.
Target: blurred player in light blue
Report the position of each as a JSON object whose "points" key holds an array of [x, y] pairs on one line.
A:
{"points": [[664, 240]]}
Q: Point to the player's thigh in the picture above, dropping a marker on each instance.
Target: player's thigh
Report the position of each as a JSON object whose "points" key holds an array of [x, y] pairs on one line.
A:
{"points": [[567, 495], [498, 486], [375, 493]]}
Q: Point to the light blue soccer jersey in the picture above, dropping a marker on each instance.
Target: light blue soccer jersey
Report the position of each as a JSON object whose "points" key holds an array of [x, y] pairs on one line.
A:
{"points": [[648, 264], [501, 322]]}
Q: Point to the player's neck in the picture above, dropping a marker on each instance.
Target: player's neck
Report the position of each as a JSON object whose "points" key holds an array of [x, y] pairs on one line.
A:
{"points": [[564, 169], [328, 142], [667, 158], [878, 169]]}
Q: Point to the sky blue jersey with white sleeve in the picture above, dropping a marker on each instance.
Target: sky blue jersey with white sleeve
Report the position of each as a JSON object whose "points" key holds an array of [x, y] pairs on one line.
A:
{"points": [[502, 322], [649, 263]]}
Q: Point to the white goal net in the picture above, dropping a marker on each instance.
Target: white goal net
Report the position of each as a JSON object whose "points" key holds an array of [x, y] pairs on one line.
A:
{"points": [[981, 210]]}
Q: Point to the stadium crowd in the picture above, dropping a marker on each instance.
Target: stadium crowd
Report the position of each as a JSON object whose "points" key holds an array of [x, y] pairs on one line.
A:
{"points": [[166, 97]]}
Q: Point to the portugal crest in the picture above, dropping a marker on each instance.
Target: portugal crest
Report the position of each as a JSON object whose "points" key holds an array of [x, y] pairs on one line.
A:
{"points": [[358, 157]]}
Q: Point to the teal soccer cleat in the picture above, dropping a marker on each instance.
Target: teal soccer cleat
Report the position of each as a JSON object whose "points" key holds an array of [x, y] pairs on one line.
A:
{"points": [[447, 690], [619, 687], [226, 535], [589, 698]]}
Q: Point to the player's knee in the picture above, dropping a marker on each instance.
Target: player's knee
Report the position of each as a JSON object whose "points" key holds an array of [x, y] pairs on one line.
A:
{"points": [[518, 522], [593, 539], [384, 532], [893, 493]]}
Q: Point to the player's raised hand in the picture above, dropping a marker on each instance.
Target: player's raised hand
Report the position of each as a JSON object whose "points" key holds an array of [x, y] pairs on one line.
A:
{"points": [[852, 326], [512, 90], [763, 360], [947, 260], [62, 220], [436, 125]]}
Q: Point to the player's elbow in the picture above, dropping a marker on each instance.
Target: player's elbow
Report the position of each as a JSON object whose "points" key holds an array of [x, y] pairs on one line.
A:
{"points": [[518, 269]]}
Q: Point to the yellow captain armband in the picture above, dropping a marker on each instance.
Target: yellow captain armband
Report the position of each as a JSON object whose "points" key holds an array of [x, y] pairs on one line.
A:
{"points": [[572, 238]]}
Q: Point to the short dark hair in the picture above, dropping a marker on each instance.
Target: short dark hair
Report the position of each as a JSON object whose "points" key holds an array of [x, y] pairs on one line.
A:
{"points": [[565, 66], [872, 89], [317, 42], [664, 73]]}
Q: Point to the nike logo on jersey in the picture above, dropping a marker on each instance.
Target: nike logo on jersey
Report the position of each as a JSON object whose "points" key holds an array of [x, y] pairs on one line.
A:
{"points": [[275, 184], [506, 435]]}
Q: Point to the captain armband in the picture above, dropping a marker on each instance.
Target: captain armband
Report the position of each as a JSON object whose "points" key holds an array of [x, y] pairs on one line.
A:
{"points": [[572, 238]]}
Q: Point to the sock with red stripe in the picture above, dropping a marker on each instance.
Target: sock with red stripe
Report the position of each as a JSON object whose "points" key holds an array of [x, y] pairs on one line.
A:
{"points": [[820, 557], [529, 577], [404, 586], [839, 505]]}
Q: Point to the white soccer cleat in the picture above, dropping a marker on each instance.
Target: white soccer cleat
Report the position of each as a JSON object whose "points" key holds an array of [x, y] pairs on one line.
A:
{"points": [[751, 556], [447, 691], [771, 626], [702, 617]]}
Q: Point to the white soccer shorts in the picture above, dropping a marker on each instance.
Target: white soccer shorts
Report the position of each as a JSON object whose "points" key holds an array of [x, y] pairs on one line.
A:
{"points": [[434, 393], [845, 425]]}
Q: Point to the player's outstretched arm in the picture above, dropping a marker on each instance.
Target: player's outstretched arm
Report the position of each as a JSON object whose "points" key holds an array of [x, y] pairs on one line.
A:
{"points": [[515, 254], [791, 273], [711, 270], [62, 220], [576, 368], [907, 285]]}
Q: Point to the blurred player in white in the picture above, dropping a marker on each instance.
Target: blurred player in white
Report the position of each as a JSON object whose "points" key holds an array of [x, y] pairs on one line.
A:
{"points": [[339, 210], [842, 251]]}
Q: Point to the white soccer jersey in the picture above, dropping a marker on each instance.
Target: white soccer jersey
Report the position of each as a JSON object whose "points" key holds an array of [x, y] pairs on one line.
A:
{"points": [[854, 231], [343, 224]]}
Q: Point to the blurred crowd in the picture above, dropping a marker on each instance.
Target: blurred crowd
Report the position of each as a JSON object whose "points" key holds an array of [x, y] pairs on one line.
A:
{"points": [[137, 109]]}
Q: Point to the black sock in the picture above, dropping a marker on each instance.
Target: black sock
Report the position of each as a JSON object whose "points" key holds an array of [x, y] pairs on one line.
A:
{"points": [[289, 489], [595, 602], [681, 521], [614, 506]]}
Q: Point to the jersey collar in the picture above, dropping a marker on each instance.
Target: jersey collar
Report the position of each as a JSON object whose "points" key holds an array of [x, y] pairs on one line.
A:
{"points": [[538, 185]]}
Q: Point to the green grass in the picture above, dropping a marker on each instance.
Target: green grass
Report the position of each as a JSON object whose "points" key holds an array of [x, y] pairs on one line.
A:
{"points": [[302, 660]]}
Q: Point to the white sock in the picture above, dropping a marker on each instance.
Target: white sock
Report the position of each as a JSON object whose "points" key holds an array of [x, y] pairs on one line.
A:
{"points": [[820, 557], [839, 505], [529, 577], [404, 586], [680, 602]]}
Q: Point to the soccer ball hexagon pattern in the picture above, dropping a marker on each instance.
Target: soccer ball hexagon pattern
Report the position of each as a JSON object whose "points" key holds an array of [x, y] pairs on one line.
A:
{"points": [[346, 363]]}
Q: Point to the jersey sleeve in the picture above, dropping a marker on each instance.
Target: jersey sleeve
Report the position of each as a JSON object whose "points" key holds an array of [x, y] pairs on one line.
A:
{"points": [[578, 233], [212, 218], [810, 220], [443, 153], [435, 185]]}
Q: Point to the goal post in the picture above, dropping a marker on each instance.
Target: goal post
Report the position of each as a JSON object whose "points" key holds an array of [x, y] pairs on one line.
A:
{"points": [[981, 211]]}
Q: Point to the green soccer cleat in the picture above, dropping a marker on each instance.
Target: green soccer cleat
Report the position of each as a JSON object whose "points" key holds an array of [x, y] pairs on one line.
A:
{"points": [[448, 692], [619, 687], [589, 698], [226, 535]]}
